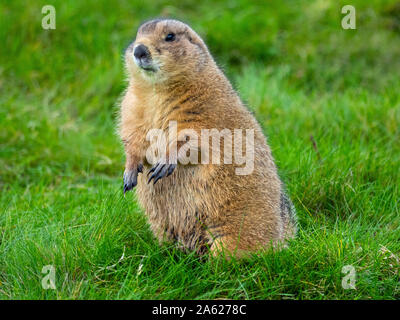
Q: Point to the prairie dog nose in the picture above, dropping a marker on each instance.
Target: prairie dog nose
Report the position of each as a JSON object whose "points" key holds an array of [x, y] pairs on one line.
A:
{"points": [[141, 52]]}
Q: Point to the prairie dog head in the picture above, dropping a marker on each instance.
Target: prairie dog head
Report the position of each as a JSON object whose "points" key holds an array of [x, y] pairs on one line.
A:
{"points": [[166, 49]]}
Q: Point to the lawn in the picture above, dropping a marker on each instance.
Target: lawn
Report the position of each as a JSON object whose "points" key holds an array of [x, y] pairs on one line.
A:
{"points": [[327, 98]]}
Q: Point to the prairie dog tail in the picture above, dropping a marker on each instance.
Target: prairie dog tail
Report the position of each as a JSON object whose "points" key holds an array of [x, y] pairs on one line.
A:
{"points": [[288, 213]]}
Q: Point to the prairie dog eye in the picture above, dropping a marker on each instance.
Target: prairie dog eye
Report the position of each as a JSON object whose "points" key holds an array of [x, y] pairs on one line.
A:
{"points": [[170, 37]]}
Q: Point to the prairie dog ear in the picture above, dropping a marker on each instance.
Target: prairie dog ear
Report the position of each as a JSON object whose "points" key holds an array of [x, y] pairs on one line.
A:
{"points": [[194, 38]]}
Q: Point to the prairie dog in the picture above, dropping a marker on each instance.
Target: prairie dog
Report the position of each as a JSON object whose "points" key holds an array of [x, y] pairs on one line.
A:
{"points": [[206, 207]]}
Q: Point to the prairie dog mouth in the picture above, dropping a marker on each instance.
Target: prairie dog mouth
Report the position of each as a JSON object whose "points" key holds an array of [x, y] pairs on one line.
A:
{"points": [[145, 65]]}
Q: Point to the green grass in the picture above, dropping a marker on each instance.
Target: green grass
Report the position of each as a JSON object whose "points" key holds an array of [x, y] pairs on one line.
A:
{"points": [[327, 98]]}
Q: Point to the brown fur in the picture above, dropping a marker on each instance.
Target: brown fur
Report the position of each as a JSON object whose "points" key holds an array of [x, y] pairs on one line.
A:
{"points": [[202, 207]]}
